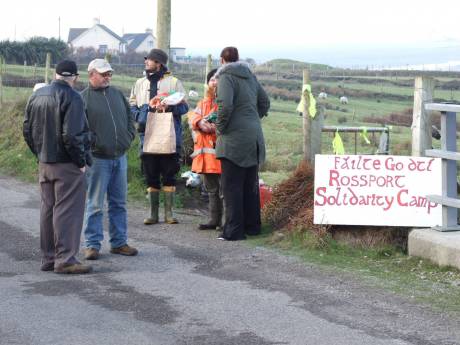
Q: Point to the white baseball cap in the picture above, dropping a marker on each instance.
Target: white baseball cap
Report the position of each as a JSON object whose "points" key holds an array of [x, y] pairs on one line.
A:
{"points": [[100, 65]]}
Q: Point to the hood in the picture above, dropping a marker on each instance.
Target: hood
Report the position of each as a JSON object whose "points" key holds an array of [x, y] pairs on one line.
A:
{"points": [[239, 69]]}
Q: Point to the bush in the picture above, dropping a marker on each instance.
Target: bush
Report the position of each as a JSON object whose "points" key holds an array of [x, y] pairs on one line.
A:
{"points": [[342, 119]]}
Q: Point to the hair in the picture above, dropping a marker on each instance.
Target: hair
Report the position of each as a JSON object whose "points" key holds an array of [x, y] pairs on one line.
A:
{"points": [[68, 79], [210, 75], [230, 54]]}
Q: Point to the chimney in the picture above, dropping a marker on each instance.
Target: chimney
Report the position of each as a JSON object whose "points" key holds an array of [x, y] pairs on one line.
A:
{"points": [[148, 31], [96, 21]]}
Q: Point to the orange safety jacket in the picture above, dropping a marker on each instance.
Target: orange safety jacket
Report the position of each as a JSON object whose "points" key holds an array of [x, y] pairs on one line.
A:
{"points": [[204, 153]]}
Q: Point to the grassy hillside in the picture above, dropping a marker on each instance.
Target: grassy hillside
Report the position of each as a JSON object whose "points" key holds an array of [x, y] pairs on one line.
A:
{"points": [[283, 65]]}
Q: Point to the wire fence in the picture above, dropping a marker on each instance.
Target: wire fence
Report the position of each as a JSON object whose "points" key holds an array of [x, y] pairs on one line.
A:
{"points": [[282, 79]]}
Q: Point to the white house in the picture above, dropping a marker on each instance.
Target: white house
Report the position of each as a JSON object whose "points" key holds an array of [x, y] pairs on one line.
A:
{"points": [[104, 40], [140, 43], [177, 54], [98, 37]]}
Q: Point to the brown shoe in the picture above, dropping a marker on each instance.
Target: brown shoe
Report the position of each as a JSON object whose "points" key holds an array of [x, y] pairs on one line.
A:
{"points": [[91, 253], [73, 269], [124, 250]]}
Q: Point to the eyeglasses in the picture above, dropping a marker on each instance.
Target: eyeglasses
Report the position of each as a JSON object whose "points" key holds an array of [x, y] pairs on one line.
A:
{"points": [[106, 74]]}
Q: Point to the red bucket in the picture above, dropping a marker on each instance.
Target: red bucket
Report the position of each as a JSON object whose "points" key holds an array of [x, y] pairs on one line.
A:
{"points": [[265, 193]]}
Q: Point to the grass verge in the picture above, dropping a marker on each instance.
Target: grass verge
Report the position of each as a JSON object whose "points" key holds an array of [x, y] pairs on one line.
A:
{"points": [[387, 267]]}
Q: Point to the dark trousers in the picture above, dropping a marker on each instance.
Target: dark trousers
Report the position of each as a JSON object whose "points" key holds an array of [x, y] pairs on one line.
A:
{"points": [[240, 187], [63, 192], [160, 169]]}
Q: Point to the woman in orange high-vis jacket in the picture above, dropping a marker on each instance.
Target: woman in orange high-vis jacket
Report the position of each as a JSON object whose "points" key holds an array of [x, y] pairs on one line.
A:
{"points": [[204, 154]]}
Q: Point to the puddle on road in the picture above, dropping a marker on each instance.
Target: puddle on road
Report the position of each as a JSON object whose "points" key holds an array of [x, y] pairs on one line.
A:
{"points": [[109, 294]]}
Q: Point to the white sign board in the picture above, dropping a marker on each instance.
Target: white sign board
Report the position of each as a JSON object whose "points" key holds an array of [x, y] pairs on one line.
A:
{"points": [[377, 190]]}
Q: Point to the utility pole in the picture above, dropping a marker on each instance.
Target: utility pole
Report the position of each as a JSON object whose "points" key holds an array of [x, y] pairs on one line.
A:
{"points": [[164, 25], [59, 28]]}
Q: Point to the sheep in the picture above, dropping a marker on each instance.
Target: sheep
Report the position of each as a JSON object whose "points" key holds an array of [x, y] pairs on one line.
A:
{"points": [[322, 95], [193, 94], [343, 100]]}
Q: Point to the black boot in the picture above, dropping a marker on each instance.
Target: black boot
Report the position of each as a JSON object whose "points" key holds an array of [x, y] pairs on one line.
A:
{"points": [[215, 212]]}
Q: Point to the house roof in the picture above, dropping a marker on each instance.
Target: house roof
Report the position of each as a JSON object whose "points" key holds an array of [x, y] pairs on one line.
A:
{"points": [[111, 32], [76, 32], [136, 39]]}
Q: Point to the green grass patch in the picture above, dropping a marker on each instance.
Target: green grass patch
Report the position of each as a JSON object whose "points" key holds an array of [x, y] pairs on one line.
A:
{"points": [[388, 268]]}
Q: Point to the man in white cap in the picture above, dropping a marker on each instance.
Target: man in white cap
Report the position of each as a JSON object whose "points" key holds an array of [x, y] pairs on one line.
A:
{"points": [[112, 125]]}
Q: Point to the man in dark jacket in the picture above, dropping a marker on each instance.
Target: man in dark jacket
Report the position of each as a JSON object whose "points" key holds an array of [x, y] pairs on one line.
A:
{"points": [[112, 126], [56, 131], [240, 144]]}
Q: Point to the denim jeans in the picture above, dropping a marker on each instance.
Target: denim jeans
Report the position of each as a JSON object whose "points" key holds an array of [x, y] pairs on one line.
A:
{"points": [[106, 177]]}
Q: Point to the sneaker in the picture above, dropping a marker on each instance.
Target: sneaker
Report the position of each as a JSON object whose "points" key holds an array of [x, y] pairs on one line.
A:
{"points": [[47, 266], [91, 253], [72, 269], [124, 250], [222, 237]]}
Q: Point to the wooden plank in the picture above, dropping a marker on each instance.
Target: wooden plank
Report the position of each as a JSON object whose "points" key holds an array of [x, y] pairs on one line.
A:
{"points": [[443, 107], [455, 156], [444, 200]]}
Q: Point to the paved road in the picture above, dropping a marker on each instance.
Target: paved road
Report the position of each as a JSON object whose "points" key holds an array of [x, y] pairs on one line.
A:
{"points": [[186, 287]]}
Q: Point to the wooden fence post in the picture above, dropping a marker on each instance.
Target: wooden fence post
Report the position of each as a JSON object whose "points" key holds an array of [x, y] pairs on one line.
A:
{"points": [[208, 69], [421, 120], [316, 130], [312, 127], [306, 118], [47, 67]]}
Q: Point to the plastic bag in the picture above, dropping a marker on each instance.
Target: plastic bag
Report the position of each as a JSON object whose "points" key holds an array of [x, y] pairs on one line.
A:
{"points": [[173, 99]]}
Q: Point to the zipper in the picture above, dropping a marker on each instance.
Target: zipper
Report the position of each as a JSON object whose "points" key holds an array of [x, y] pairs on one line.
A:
{"points": [[113, 120]]}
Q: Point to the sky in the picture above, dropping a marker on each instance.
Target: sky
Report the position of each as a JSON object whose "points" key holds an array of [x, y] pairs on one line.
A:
{"points": [[337, 32]]}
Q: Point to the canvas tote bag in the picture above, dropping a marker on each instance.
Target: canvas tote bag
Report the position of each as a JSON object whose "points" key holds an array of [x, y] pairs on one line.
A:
{"points": [[160, 136]]}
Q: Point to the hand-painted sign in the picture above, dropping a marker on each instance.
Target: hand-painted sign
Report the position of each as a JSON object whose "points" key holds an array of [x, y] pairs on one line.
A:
{"points": [[377, 190]]}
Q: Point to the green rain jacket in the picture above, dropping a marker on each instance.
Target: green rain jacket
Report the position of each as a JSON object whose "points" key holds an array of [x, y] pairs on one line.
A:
{"points": [[242, 103]]}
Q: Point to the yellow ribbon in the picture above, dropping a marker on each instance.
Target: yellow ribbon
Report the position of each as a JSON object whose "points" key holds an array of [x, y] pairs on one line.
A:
{"points": [[337, 144], [363, 135], [312, 106]]}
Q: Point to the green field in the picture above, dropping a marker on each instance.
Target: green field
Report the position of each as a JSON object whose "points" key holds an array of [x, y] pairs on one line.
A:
{"points": [[283, 126]]}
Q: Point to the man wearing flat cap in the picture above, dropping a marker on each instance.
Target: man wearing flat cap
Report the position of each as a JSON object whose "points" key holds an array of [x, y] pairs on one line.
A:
{"points": [[112, 125], [56, 131], [159, 169]]}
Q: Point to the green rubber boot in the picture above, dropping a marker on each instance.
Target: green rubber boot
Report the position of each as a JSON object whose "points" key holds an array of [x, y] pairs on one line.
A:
{"points": [[169, 192], [154, 199]]}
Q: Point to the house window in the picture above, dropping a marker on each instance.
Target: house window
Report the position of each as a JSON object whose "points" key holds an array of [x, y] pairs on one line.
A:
{"points": [[150, 44], [103, 49]]}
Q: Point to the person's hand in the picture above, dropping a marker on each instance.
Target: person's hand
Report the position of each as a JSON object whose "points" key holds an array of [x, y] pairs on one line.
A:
{"points": [[83, 169], [213, 127], [205, 126], [154, 102], [161, 108]]}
